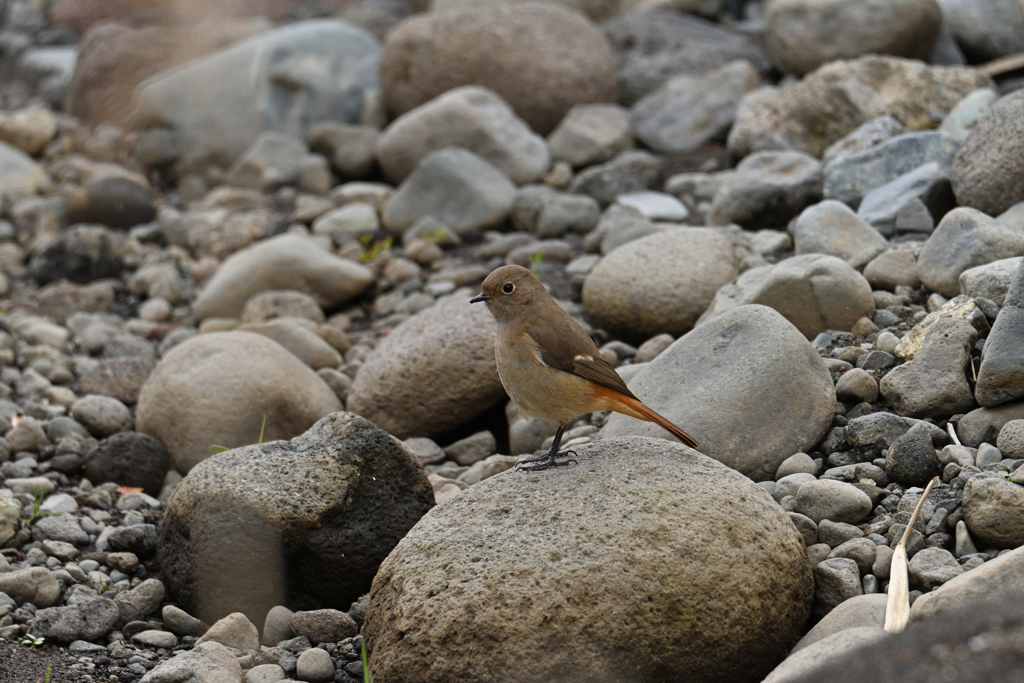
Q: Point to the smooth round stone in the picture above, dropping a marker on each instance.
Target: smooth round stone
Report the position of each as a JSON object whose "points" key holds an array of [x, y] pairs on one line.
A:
{"points": [[655, 206], [315, 666], [833, 500]]}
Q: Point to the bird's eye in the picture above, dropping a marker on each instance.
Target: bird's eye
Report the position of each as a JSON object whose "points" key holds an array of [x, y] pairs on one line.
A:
{"points": [[508, 288]]}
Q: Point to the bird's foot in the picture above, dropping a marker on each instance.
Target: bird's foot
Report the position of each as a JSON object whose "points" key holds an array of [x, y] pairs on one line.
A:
{"points": [[546, 461]]}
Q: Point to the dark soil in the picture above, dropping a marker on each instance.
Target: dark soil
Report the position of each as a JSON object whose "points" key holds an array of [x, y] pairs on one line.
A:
{"points": [[22, 664]]}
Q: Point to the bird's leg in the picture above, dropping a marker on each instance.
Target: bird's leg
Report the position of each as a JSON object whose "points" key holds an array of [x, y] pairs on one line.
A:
{"points": [[549, 459]]}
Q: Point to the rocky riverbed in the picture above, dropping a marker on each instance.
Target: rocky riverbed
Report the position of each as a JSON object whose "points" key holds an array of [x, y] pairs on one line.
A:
{"points": [[252, 428]]}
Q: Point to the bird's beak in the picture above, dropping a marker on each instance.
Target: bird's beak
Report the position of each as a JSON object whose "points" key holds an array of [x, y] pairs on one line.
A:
{"points": [[479, 297]]}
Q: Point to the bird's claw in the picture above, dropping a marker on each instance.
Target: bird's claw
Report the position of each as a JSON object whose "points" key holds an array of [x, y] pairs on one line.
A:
{"points": [[546, 461]]}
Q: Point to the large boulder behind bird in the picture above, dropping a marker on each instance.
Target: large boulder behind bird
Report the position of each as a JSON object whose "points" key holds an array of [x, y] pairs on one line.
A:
{"points": [[746, 385], [434, 372], [646, 562], [303, 523]]}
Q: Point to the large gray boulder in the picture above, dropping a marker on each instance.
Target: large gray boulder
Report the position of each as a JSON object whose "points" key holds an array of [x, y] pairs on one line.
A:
{"points": [[282, 80], [303, 523], [224, 389], [704, 384], [641, 289], [993, 509], [815, 292], [1001, 376], [625, 576], [434, 372], [470, 117]]}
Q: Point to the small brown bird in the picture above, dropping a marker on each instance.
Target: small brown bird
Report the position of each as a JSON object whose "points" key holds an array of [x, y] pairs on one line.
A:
{"points": [[548, 364]]}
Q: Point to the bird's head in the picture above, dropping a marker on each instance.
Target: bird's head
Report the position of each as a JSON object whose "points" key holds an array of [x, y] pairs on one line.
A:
{"points": [[508, 292]]}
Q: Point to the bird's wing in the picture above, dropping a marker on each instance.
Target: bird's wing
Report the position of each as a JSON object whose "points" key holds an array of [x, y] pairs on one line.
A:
{"points": [[567, 347]]}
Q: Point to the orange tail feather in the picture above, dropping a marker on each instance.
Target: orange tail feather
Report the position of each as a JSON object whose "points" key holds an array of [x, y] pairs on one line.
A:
{"points": [[634, 408]]}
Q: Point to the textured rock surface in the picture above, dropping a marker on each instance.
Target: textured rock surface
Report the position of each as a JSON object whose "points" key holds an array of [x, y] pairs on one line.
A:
{"points": [[182, 403], [700, 383], [835, 99], [988, 172], [1003, 574], [434, 372], [626, 604], [240, 534], [993, 508]]}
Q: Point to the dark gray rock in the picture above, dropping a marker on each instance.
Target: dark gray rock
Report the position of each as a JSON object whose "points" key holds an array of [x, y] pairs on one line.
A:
{"points": [[850, 177], [806, 664], [913, 202], [120, 378], [911, 459], [82, 254], [237, 535], [86, 617], [139, 539], [655, 46], [768, 189], [114, 202], [934, 382], [965, 238], [129, 459], [628, 172], [988, 171], [710, 362], [1001, 376], [621, 494]]}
